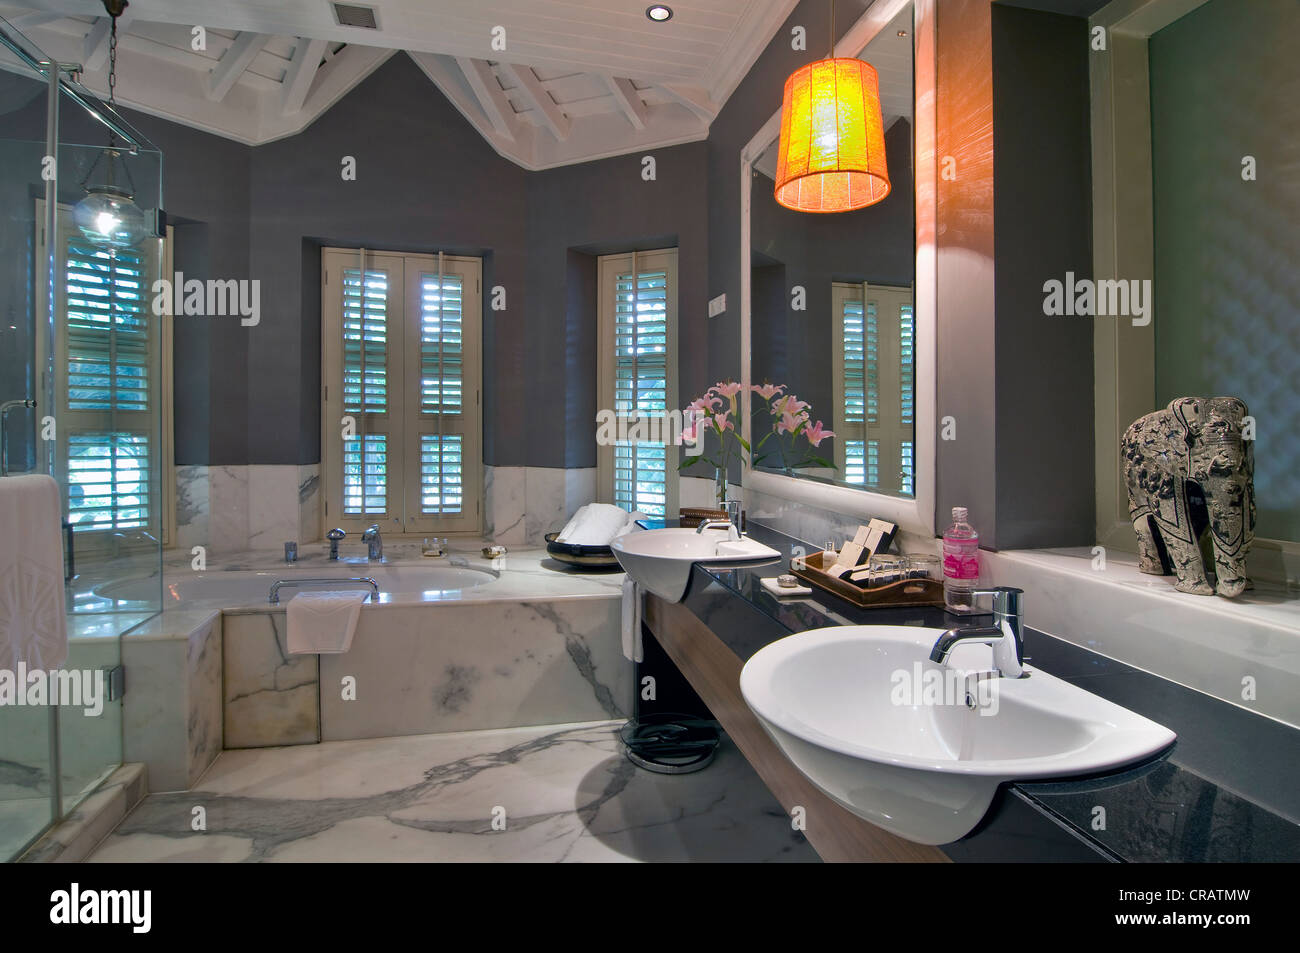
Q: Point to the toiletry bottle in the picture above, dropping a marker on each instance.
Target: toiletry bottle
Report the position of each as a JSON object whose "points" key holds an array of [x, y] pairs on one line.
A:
{"points": [[961, 562]]}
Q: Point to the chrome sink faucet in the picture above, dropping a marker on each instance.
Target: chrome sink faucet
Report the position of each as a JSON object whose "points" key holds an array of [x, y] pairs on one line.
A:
{"points": [[334, 536], [730, 527], [374, 541], [1004, 635]]}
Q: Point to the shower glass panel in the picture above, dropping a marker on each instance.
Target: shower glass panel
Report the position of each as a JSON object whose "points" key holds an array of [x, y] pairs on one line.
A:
{"points": [[92, 360]]}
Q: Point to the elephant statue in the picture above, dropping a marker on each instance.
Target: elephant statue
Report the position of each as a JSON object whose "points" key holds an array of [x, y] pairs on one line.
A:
{"points": [[1188, 468]]}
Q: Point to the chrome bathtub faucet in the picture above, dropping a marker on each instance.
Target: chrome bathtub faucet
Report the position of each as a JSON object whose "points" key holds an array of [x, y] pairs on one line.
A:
{"points": [[334, 536], [1004, 635], [374, 541]]}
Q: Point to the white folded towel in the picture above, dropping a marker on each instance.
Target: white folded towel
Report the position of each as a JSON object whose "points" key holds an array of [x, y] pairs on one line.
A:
{"points": [[596, 524], [324, 622], [632, 646], [33, 614]]}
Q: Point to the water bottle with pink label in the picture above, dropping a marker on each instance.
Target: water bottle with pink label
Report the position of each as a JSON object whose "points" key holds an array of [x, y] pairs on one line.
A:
{"points": [[961, 562]]}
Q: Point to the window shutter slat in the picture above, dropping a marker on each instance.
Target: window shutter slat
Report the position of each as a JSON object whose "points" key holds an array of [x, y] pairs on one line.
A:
{"points": [[108, 481], [442, 345], [365, 342]]}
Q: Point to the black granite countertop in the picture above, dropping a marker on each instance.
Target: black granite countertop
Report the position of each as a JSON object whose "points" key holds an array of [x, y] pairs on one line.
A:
{"points": [[1227, 790]]}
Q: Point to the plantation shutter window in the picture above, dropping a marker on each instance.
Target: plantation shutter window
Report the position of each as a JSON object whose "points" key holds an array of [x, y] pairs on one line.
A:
{"points": [[401, 365], [638, 310], [873, 361]]}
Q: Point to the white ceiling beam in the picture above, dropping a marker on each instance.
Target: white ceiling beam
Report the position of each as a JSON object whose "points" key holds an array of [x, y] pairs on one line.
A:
{"points": [[694, 99], [302, 70], [548, 112], [628, 100], [232, 64], [95, 50], [26, 21], [495, 103]]}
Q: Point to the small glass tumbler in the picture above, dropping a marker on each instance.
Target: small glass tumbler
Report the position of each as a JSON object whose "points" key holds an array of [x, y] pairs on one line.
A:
{"points": [[924, 566]]}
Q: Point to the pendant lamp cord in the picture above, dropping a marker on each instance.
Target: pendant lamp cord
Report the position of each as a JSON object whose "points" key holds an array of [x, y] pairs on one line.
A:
{"points": [[831, 54]]}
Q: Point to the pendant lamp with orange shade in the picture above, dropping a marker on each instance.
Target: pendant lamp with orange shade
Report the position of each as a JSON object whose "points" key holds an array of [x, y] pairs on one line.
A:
{"points": [[832, 150]]}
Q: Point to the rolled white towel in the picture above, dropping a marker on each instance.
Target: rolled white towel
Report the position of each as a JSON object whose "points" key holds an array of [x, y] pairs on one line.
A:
{"points": [[597, 524]]}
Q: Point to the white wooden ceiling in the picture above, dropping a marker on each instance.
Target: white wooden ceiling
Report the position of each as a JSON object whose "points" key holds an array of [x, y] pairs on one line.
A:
{"points": [[577, 79]]}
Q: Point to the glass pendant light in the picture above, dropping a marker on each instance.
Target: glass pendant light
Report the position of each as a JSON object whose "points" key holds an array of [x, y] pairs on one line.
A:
{"points": [[832, 151], [108, 216]]}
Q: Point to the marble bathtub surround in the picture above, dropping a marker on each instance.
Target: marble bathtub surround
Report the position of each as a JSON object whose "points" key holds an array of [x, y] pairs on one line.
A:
{"points": [[487, 665], [172, 712], [568, 793], [269, 696]]}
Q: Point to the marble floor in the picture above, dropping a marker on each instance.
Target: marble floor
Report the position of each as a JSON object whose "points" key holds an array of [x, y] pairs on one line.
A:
{"points": [[548, 794]]}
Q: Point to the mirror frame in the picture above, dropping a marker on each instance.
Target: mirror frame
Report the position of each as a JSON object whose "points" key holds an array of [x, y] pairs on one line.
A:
{"points": [[913, 514]]}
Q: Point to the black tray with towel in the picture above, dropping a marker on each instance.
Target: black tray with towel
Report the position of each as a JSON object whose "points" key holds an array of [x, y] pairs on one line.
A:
{"points": [[577, 554]]}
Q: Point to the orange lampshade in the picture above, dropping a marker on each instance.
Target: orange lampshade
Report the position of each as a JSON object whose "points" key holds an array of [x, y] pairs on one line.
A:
{"points": [[832, 152]]}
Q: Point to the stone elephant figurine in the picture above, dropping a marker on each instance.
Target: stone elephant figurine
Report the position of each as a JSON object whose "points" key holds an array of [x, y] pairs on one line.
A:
{"points": [[1196, 443]]}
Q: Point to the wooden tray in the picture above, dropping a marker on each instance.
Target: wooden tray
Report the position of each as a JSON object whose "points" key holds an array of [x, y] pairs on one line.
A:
{"points": [[690, 517], [909, 592]]}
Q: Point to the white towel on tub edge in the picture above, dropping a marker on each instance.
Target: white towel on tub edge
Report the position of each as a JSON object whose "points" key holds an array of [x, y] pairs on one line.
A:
{"points": [[323, 623]]}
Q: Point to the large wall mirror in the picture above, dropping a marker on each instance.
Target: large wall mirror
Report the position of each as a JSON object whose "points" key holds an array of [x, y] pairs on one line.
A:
{"points": [[839, 306]]}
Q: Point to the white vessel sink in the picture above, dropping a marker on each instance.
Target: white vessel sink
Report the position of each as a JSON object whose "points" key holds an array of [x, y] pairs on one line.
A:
{"points": [[888, 734], [661, 559]]}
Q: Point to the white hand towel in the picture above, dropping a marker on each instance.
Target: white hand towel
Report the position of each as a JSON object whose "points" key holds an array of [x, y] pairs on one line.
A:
{"points": [[324, 622], [33, 614], [576, 520], [632, 646]]}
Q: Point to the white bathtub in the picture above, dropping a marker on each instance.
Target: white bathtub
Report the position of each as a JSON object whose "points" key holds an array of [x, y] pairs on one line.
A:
{"points": [[252, 587]]}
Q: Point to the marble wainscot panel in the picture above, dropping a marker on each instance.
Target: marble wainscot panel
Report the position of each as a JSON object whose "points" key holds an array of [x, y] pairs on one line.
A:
{"points": [[523, 504], [192, 507], [270, 696], [273, 507], [430, 798], [237, 509], [172, 708], [227, 509], [309, 503], [479, 665]]}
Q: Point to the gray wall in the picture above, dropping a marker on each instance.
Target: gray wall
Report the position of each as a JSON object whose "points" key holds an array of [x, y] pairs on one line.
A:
{"points": [[1224, 84]]}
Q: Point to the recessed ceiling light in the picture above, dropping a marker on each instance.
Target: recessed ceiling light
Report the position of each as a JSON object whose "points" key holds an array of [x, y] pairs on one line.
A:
{"points": [[659, 13], [902, 33]]}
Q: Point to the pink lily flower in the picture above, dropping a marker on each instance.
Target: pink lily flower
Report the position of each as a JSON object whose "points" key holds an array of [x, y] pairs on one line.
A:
{"points": [[729, 389], [788, 423], [767, 391], [703, 405], [816, 435]]}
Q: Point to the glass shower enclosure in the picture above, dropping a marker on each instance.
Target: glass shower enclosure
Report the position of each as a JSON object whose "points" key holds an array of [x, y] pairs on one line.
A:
{"points": [[81, 389]]}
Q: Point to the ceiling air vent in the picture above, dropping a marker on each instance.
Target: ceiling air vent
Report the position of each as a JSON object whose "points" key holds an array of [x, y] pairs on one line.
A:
{"points": [[351, 14]]}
